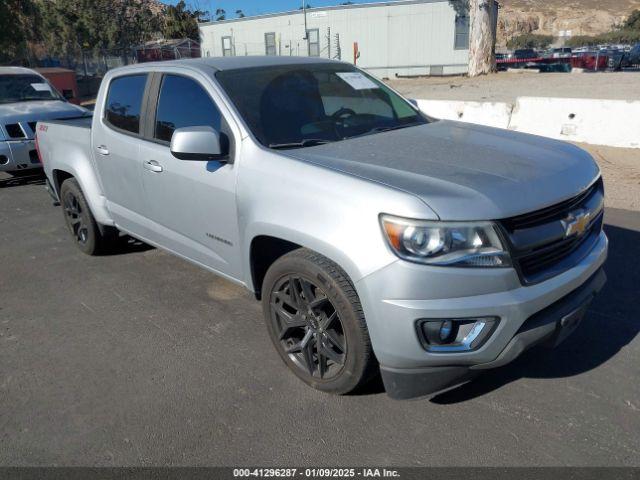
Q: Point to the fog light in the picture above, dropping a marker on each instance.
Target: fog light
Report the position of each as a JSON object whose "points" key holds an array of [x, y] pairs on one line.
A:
{"points": [[455, 334]]}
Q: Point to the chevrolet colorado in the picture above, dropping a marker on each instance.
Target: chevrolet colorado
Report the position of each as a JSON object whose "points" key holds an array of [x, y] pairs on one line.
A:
{"points": [[378, 239]]}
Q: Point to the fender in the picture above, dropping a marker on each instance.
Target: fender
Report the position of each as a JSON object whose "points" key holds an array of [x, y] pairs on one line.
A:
{"points": [[72, 158]]}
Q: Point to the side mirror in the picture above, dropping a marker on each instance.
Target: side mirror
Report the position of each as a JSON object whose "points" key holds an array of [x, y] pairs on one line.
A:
{"points": [[68, 94], [199, 143]]}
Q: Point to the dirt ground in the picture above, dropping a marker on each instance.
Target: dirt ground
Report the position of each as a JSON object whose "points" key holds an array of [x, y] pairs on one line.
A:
{"points": [[506, 86], [621, 173]]}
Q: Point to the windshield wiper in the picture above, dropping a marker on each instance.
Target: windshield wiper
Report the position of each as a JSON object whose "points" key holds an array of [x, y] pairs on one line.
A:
{"points": [[387, 129], [308, 142]]}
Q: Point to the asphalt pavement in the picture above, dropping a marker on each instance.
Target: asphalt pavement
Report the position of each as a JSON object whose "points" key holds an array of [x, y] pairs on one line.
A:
{"points": [[140, 358]]}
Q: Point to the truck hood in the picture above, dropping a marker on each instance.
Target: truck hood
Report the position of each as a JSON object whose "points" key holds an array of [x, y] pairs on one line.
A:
{"points": [[38, 110], [463, 171]]}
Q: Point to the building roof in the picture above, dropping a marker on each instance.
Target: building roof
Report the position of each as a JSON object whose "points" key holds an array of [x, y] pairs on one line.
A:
{"points": [[391, 3], [53, 70], [233, 63]]}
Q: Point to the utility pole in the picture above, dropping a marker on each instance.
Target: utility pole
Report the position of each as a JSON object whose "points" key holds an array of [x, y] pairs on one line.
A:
{"points": [[304, 13]]}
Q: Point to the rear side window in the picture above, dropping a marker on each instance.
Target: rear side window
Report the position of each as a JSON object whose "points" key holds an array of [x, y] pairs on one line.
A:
{"points": [[183, 103], [124, 102]]}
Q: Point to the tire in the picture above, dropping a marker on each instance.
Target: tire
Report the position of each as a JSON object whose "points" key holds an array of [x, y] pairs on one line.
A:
{"points": [[81, 223], [321, 314]]}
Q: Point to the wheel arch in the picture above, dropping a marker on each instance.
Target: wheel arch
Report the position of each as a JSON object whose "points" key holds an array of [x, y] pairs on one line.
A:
{"points": [[270, 244], [82, 171]]}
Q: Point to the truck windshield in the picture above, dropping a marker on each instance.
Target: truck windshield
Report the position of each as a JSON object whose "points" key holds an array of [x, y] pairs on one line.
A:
{"points": [[294, 106], [25, 88]]}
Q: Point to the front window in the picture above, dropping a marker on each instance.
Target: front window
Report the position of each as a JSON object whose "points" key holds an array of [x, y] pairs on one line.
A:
{"points": [[303, 105], [191, 108], [25, 88]]}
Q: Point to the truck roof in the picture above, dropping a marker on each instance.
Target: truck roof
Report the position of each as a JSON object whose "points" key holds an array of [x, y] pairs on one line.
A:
{"points": [[233, 63], [17, 71]]}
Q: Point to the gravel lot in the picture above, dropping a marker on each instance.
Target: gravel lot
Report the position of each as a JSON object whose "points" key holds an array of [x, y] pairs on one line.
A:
{"points": [[506, 87], [140, 358], [621, 172]]}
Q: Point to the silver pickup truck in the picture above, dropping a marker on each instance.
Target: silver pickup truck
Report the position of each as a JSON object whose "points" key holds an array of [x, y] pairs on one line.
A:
{"points": [[378, 239], [26, 97]]}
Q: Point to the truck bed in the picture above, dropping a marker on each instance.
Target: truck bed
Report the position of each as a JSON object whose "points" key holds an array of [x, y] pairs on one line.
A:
{"points": [[79, 122], [65, 144]]}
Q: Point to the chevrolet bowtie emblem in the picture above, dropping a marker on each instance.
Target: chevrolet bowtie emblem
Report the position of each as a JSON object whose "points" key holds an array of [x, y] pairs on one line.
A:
{"points": [[576, 222]]}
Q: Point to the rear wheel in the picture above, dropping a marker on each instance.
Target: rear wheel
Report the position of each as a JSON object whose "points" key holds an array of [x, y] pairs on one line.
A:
{"points": [[316, 323], [81, 223]]}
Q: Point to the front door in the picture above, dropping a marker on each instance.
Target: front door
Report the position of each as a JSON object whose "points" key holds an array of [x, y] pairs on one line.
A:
{"points": [[192, 203]]}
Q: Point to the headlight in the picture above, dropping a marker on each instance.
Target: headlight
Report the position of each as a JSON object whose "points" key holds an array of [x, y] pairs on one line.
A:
{"points": [[458, 244]]}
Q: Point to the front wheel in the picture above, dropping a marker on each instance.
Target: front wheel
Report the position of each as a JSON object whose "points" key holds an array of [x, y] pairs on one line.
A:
{"points": [[81, 223], [316, 323]]}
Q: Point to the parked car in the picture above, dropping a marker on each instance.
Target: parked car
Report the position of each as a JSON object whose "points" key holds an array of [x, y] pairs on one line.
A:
{"points": [[26, 97], [632, 58], [562, 52], [377, 238], [525, 54], [620, 59]]}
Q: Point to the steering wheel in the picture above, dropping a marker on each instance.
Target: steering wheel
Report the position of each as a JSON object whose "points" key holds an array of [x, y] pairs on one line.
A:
{"points": [[343, 114]]}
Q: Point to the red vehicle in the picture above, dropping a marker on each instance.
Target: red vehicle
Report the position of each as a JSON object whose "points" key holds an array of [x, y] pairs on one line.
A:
{"points": [[591, 61]]}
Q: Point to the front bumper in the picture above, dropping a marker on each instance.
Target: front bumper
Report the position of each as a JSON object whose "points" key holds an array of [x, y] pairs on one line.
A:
{"points": [[18, 155], [395, 297]]}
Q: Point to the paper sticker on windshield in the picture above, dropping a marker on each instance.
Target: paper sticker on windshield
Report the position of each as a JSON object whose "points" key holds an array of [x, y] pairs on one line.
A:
{"points": [[357, 80], [41, 87]]}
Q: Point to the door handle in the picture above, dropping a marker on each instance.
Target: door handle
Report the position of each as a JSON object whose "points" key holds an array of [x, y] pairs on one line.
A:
{"points": [[153, 166], [102, 150]]}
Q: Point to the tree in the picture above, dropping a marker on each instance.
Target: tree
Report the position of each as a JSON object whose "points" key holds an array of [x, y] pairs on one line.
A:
{"points": [[71, 26], [19, 27], [482, 58], [181, 22], [240, 14], [530, 40], [221, 14], [633, 22]]}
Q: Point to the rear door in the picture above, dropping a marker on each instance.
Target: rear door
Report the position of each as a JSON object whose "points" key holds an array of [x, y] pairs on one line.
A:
{"points": [[192, 204], [116, 144]]}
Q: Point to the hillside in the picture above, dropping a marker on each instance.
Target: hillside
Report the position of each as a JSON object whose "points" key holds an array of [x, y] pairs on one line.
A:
{"points": [[583, 17]]}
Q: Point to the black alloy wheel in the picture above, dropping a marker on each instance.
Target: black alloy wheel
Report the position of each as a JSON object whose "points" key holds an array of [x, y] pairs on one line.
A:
{"points": [[87, 235], [315, 321], [77, 218], [309, 326]]}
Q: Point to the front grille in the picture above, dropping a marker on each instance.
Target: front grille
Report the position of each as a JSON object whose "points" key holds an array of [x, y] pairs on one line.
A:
{"points": [[539, 244], [554, 212], [546, 257], [14, 130]]}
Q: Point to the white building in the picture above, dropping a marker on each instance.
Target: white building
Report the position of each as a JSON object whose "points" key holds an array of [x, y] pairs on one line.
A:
{"points": [[404, 37]]}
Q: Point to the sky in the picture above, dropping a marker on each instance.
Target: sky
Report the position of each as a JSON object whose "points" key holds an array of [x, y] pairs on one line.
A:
{"points": [[257, 7]]}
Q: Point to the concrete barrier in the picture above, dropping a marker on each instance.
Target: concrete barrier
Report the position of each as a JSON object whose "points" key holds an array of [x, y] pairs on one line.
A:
{"points": [[614, 123], [483, 113]]}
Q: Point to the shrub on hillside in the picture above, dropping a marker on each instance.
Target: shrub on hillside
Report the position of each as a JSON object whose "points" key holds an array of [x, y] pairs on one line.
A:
{"points": [[530, 40]]}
